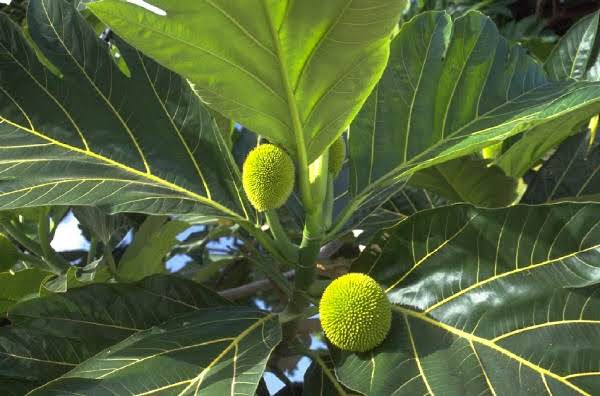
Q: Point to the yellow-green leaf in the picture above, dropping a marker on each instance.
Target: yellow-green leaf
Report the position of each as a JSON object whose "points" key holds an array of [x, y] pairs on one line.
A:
{"points": [[296, 72]]}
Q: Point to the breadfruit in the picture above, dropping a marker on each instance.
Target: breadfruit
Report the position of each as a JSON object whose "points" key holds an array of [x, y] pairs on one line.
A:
{"points": [[8, 253], [337, 155], [268, 177], [355, 313]]}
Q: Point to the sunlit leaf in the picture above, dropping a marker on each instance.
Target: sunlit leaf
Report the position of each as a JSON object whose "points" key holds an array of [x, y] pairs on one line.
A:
{"points": [[20, 285], [295, 72], [575, 56]]}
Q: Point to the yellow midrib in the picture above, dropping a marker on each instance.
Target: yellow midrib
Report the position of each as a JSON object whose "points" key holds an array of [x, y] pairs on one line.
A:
{"points": [[147, 175], [155, 179], [508, 273], [488, 343], [179, 134], [38, 360], [298, 128], [430, 253], [104, 98], [547, 324], [417, 359], [200, 377]]}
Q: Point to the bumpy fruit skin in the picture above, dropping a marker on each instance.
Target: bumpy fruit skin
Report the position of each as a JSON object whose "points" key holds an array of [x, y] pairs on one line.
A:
{"points": [[268, 177], [337, 155], [8, 253], [355, 313]]}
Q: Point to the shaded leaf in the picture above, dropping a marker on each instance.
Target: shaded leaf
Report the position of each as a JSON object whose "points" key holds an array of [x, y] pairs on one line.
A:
{"points": [[107, 313], [14, 387], [486, 302], [227, 128], [105, 228], [218, 351], [572, 173], [51, 335], [408, 201], [96, 271], [271, 68], [468, 180], [320, 379], [33, 355], [95, 136]]}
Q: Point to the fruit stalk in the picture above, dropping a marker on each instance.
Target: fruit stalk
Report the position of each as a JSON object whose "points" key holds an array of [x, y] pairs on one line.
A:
{"points": [[286, 247]]}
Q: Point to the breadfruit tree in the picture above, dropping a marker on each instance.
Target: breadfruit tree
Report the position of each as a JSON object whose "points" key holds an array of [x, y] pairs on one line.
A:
{"points": [[375, 197]]}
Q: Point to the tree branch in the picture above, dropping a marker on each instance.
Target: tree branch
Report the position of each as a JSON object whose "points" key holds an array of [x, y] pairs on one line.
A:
{"points": [[251, 288]]}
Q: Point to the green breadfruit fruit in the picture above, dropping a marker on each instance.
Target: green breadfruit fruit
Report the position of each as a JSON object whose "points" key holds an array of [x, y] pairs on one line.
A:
{"points": [[355, 313], [268, 177], [8, 253], [337, 155]]}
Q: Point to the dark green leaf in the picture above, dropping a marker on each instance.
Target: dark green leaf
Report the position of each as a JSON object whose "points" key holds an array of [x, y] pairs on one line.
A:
{"points": [[49, 336], [450, 89], [468, 180], [213, 352], [33, 355], [142, 144], [408, 201], [103, 227], [296, 72], [320, 378], [15, 387], [107, 313], [227, 128], [96, 271], [523, 29], [540, 47], [576, 54], [486, 302], [572, 173]]}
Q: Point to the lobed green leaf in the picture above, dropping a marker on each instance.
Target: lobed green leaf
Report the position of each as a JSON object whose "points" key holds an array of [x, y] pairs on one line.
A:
{"points": [[486, 301], [95, 136], [450, 89]]}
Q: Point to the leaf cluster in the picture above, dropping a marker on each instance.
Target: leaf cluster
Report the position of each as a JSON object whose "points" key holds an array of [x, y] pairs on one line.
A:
{"points": [[447, 149]]}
